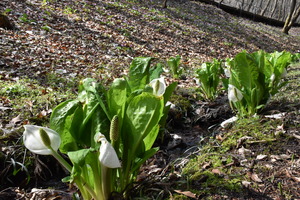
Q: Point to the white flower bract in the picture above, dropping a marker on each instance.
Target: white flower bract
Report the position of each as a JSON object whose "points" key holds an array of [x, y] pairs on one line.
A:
{"points": [[108, 156], [234, 94], [227, 72], [159, 86], [272, 78], [225, 123], [34, 143]]}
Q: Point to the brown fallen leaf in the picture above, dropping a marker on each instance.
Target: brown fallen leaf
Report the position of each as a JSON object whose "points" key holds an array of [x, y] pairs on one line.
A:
{"points": [[246, 183], [42, 114], [255, 177], [290, 175], [217, 171], [15, 120], [261, 157], [186, 193], [206, 165], [219, 137], [296, 136]]}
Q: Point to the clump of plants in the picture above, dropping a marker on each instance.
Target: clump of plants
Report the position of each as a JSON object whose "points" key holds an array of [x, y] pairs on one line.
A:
{"points": [[254, 78], [250, 78], [106, 133], [174, 65], [209, 76]]}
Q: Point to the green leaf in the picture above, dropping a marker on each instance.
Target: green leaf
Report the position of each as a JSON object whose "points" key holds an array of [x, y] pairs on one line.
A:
{"points": [[169, 91], [60, 121], [209, 77], [78, 157], [84, 165], [90, 91], [117, 96], [147, 154], [76, 124], [245, 71], [139, 73], [156, 71], [151, 137], [60, 112], [142, 115], [174, 63]]}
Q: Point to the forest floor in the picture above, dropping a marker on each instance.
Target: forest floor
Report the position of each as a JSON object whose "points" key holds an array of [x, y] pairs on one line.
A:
{"points": [[57, 43]]}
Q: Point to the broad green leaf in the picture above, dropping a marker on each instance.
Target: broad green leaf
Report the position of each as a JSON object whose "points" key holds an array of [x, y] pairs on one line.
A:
{"points": [[88, 84], [60, 121], [139, 73], [142, 115], [156, 71], [280, 61], [84, 163], [169, 90], [77, 121], [78, 157], [151, 137], [90, 91], [245, 71], [60, 113], [167, 95], [68, 142], [117, 96], [174, 65], [98, 123]]}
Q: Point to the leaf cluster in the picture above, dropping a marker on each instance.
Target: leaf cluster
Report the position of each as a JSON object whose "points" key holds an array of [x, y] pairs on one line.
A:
{"points": [[140, 115], [209, 76], [258, 76]]}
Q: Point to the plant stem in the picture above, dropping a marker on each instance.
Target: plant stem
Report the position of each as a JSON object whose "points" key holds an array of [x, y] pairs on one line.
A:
{"points": [[97, 179], [83, 187], [62, 161], [106, 181]]}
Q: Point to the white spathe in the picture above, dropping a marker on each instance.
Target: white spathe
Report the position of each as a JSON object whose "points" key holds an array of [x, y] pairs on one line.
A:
{"points": [[108, 156], [227, 72], [272, 78], [227, 69], [34, 143], [159, 86], [225, 123], [234, 94]]}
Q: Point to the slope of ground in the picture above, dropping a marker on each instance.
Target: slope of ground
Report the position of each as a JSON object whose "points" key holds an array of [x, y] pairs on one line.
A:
{"points": [[56, 43], [84, 38]]}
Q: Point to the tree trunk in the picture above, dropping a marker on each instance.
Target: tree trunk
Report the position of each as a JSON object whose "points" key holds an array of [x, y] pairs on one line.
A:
{"points": [[265, 9], [165, 4], [274, 9], [287, 27], [291, 18], [249, 5]]}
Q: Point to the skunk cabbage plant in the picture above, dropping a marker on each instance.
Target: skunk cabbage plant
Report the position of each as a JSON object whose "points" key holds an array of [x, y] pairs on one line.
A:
{"points": [[102, 127], [255, 76]]}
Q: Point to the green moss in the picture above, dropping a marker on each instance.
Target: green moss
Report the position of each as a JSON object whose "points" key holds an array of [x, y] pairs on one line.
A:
{"points": [[181, 102], [30, 100], [213, 171], [212, 183]]}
